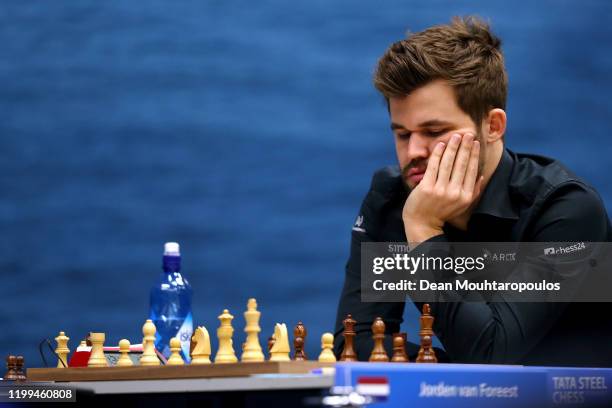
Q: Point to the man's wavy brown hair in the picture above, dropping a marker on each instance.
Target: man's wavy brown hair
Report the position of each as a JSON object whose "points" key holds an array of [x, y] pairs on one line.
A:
{"points": [[464, 53]]}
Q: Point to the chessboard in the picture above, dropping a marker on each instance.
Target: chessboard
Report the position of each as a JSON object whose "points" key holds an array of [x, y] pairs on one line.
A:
{"points": [[163, 372], [92, 362]]}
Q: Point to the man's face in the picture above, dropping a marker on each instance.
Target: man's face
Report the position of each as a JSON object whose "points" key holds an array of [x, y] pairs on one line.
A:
{"points": [[419, 121]]}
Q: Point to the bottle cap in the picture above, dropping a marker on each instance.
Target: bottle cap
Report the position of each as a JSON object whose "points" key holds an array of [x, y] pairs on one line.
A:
{"points": [[172, 249]]}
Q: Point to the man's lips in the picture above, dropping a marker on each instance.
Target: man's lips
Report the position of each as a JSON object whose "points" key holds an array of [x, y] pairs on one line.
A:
{"points": [[415, 178], [415, 175], [414, 171]]}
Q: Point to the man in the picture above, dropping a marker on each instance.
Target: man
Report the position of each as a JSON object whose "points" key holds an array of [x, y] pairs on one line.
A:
{"points": [[446, 92]]}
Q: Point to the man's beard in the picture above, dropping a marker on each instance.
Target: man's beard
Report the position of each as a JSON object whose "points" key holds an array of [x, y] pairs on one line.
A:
{"points": [[422, 163]]}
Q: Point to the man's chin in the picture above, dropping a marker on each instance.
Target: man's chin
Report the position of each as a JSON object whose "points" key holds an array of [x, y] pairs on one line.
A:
{"points": [[409, 185]]}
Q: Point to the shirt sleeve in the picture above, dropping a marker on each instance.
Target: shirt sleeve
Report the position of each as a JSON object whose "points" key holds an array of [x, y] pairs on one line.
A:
{"points": [[350, 299], [504, 332]]}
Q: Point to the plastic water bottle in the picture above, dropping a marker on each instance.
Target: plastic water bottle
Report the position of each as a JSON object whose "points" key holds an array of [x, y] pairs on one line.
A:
{"points": [[171, 304]]}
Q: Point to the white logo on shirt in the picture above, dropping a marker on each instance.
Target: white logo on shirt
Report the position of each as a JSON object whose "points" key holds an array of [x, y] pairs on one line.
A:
{"points": [[358, 224]]}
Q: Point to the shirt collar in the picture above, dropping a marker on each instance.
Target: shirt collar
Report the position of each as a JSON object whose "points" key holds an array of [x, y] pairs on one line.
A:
{"points": [[495, 200]]}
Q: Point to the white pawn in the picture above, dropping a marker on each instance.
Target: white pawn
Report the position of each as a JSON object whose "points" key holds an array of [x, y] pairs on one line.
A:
{"points": [[175, 349], [149, 357], [201, 350], [327, 344], [280, 350], [225, 353], [97, 358], [62, 350], [124, 349]]}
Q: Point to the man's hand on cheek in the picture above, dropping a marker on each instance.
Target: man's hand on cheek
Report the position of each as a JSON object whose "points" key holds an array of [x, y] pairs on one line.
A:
{"points": [[448, 188]]}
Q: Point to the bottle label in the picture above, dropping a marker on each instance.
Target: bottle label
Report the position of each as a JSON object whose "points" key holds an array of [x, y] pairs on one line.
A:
{"points": [[184, 335]]}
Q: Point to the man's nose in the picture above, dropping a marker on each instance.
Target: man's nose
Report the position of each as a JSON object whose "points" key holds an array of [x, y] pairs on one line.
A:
{"points": [[417, 148]]}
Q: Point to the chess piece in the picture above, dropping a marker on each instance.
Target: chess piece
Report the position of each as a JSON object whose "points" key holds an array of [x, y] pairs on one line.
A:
{"points": [[175, 352], [19, 367], [270, 343], [280, 350], [426, 352], [225, 353], [11, 369], [149, 357], [399, 348], [251, 348], [97, 358], [124, 349], [379, 354], [348, 353], [426, 321], [327, 344], [200, 341], [299, 340], [62, 350]]}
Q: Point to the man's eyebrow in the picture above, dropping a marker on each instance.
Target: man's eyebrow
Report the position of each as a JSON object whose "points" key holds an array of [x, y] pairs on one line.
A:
{"points": [[434, 122], [427, 123]]}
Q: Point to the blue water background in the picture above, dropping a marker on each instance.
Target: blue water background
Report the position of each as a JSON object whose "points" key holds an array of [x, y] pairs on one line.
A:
{"points": [[246, 132]]}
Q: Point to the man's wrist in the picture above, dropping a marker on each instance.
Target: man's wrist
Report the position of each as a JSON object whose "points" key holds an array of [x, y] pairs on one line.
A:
{"points": [[417, 233]]}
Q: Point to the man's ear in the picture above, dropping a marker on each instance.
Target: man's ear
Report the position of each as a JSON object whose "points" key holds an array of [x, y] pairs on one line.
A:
{"points": [[496, 124]]}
